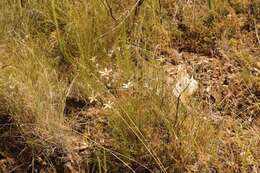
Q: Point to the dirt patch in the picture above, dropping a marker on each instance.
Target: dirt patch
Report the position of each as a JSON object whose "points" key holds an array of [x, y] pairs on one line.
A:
{"points": [[222, 91]]}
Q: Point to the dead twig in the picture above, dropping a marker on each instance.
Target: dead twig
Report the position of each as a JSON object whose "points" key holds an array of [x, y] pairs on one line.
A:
{"points": [[256, 32], [15, 168], [109, 8], [122, 21]]}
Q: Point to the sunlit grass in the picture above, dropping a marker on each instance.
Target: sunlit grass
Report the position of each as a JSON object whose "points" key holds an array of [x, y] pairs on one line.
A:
{"points": [[111, 56]]}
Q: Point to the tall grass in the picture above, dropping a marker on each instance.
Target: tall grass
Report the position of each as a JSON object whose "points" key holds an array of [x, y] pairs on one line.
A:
{"points": [[107, 52]]}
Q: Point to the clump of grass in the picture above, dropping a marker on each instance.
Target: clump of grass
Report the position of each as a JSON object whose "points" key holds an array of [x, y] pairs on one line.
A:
{"points": [[34, 98], [104, 54]]}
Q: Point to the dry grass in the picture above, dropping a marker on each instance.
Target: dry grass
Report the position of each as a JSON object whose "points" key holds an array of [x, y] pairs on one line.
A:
{"points": [[87, 86]]}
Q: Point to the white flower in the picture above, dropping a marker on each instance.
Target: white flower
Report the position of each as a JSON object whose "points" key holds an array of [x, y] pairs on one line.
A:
{"points": [[93, 98], [105, 73], [229, 16], [11, 86], [93, 59], [108, 105], [127, 85], [146, 85], [161, 59], [110, 53]]}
